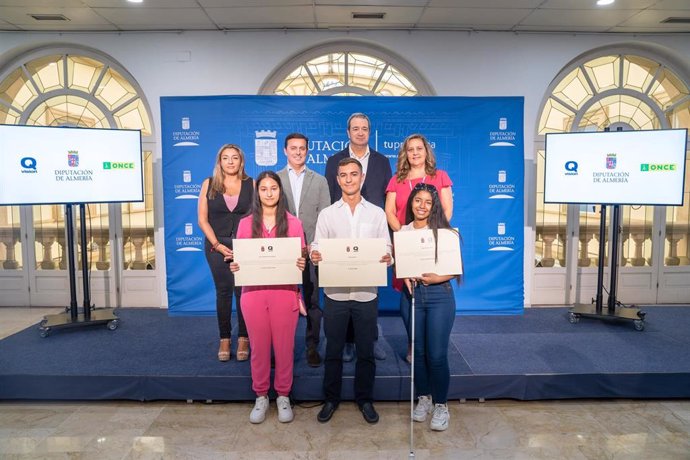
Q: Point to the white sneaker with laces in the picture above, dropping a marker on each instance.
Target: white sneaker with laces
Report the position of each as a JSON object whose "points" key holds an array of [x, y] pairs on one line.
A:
{"points": [[284, 410], [439, 421], [423, 408], [258, 414]]}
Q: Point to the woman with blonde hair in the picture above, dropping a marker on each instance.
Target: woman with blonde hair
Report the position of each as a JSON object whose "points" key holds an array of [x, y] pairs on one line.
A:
{"points": [[225, 198]]}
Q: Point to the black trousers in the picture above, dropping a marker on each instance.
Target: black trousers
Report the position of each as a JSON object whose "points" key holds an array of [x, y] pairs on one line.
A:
{"points": [[310, 291], [224, 281], [336, 315]]}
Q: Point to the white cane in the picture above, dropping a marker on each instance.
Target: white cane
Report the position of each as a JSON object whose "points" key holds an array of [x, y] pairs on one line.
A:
{"points": [[413, 283]]}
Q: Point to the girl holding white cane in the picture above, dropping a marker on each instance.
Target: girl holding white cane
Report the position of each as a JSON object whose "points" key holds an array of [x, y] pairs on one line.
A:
{"points": [[434, 304]]}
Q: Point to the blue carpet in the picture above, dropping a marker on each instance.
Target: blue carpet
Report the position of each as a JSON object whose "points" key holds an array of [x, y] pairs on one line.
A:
{"points": [[538, 355]]}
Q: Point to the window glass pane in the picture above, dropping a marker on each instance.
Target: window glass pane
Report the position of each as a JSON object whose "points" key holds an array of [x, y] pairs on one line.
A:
{"points": [[574, 89], [395, 83], [680, 118], [114, 90], [17, 90], [68, 111], [328, 70], [668, 89], [604, 72], [47, 72], [134, 116], [83, 73], [138, 226], [556, 118], [338, 73], [636, 235], [49, 229], [8, 116], [638, 73], [619, 109], [364, 70], [550, 245], [298, 83], [10, 239]]}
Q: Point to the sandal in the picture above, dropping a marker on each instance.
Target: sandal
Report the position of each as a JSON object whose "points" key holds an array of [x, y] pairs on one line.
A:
{"points": [[224, 355], [242, 348]]}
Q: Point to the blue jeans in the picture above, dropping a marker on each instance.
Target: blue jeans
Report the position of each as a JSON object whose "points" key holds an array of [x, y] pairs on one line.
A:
{"points": [[434, 317]]}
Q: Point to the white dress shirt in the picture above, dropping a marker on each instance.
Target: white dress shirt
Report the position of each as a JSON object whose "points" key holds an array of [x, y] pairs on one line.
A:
{"points": [[338, 221], [296, 182]]}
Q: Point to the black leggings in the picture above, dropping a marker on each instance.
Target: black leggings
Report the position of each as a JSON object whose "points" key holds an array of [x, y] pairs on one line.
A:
{"points": [[224, 281]]}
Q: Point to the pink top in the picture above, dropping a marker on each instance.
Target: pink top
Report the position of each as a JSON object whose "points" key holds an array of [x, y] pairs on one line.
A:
{"points": [[231, 201], [244, 230], [404, 189]]}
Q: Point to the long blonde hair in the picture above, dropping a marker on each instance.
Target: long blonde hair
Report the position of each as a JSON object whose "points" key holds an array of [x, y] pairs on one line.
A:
{"points": [[217, 181], [403, 166]]}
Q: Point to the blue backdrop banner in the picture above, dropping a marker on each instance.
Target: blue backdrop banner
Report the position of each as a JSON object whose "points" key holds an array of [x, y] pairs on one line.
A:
{"points": [[478, 141]]}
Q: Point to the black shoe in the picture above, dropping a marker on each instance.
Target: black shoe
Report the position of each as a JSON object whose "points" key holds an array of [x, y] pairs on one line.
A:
{"points": [[369, 412], [326, 412], [313, 358]]}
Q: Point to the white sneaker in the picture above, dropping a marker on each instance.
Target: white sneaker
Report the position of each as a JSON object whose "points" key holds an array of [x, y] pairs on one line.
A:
{"points": [[424, 407], [439, 421], [284, 410], [258, 414]]}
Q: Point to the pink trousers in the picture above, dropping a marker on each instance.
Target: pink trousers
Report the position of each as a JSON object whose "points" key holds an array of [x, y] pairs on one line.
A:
{"points": [[271, 316]]}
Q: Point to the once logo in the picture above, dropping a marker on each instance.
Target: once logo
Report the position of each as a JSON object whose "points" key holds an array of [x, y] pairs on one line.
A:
{"points": [[646, 167], [117, 165]]}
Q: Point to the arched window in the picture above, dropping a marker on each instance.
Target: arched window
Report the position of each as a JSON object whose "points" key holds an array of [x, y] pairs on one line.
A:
{"points": [[346, 68], [627, 87], [75, 86]]}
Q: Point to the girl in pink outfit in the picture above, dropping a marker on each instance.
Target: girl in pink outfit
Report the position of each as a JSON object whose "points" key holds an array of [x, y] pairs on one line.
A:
{"points": [[271, 312]]}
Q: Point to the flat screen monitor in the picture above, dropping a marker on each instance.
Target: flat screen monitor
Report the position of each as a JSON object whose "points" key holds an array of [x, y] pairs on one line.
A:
{"points": [[618, 167], [52, 165]]}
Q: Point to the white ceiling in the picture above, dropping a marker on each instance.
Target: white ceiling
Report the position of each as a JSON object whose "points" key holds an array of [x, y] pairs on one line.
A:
{"points": [[629, 16]]}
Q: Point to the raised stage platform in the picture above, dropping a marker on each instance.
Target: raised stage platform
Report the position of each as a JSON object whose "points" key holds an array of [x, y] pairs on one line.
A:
{"points": [[539, 355]]}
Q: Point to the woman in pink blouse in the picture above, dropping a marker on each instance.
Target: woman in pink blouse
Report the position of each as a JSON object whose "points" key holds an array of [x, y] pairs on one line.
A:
{"points": [[271, 312], [416, 165]]}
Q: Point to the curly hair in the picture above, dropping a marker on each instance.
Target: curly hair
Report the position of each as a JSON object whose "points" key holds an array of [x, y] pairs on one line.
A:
{"points": [[437, 218], [403, 166]]}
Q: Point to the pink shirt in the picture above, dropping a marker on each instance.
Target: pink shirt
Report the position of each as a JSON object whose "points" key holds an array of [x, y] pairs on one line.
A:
{"points": [[244, 230], [403, 190]]}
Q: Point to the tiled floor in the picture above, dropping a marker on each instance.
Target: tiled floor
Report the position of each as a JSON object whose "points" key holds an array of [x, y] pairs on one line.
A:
{"points": [[583, 429]]}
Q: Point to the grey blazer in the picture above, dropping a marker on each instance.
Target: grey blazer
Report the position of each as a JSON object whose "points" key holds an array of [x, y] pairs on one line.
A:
{"points": [[314, 197]]}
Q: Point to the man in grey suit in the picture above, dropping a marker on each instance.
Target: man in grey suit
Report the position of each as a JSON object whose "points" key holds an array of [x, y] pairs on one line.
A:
{"points": [[307, 194]]}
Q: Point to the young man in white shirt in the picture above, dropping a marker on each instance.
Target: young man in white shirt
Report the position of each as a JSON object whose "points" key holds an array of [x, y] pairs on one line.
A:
{"points": [[350, 217]]}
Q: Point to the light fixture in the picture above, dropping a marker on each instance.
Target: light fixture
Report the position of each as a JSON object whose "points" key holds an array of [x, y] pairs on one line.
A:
{"points": [[605, 2], [135, 1]]}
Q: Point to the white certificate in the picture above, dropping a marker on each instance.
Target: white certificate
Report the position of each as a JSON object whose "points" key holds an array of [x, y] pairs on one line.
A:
{"points": [[352, 262], [415, 253], [267, 261]]}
